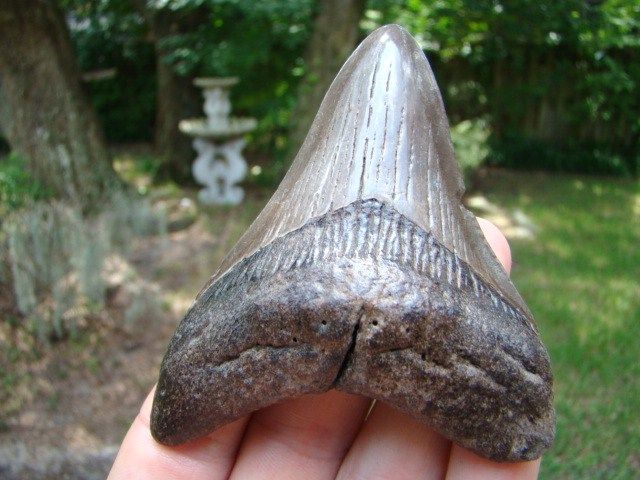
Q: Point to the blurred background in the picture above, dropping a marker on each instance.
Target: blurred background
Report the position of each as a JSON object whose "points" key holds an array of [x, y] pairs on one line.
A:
{"points": [[104, 244]]}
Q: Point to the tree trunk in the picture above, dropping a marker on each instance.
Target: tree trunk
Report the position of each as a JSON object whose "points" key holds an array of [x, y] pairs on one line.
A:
{"points": [[48, 119], [334, 37], [177, 98]]}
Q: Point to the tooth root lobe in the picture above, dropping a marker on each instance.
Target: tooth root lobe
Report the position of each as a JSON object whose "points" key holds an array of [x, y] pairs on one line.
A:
{"points": [[311, 325]]}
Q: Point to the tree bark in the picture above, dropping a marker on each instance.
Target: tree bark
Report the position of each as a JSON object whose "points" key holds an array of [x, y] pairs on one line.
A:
{"points": [[334, 37], [48, 119]]}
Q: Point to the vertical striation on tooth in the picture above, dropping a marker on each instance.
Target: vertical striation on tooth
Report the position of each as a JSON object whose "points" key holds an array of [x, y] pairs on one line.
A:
{"points": [[381, 132]]}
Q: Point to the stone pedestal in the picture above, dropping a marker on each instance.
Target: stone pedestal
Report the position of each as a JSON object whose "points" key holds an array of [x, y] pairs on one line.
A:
{"points": [[219, 167]]}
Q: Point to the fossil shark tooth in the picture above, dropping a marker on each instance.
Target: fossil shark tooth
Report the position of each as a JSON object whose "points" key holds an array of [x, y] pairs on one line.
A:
{"points": [[365, 273]]}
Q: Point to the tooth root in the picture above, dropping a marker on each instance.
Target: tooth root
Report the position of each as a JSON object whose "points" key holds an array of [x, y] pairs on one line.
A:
{"points": [[364, 272]]}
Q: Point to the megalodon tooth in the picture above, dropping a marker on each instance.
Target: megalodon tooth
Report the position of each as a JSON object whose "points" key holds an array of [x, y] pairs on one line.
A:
{"points": [[365, 273]]}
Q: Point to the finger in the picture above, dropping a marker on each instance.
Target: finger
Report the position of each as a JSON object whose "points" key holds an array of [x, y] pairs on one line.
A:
{"points": [[465, 465], [305, 437], [141, 457], [391, 444], [497, 241]]}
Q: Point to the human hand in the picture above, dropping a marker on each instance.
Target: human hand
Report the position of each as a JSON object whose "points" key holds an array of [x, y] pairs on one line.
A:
{"points": [[332, 435]]}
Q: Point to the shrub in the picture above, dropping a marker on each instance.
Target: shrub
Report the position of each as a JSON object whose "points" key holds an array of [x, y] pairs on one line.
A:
{"points": [[469, 139], [55, 258], [523, 153]]}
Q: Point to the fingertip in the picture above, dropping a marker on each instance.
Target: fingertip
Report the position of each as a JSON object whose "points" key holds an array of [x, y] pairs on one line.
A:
{"points": [[142, 457], [144, 415], [497, 241], [392, 444]]}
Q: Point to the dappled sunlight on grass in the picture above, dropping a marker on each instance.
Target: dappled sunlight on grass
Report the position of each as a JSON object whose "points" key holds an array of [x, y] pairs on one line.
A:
{"points": [[581, 279], [513, 224], [560, 250], [636, 205]]}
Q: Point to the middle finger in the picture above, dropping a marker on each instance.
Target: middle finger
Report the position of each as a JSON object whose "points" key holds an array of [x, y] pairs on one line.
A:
{"points": [[306, 437]]}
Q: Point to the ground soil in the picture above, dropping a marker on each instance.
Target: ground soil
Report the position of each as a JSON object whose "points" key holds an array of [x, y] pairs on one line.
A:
{"points": [[67, 405]]}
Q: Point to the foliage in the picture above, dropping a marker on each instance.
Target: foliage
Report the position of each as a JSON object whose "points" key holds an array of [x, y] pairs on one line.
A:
{"points": [[579, 276], [565, 75], [17, 188], [527, 153], [469, 139], [260, 42], [110, 34], [56, 258], [557, 82]]}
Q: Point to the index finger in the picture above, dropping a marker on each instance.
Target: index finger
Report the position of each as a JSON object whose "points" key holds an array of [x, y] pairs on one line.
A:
{"points": [[141, 457]]}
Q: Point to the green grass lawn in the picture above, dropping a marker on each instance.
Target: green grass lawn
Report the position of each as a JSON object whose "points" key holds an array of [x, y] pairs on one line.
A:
{"points": [[580, 275]]}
